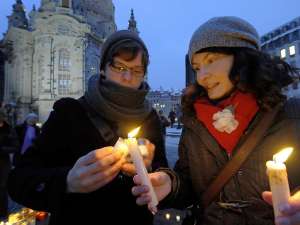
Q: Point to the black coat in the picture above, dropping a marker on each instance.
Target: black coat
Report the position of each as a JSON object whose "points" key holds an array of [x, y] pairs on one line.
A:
{"points": [[39, 180], [8, 144]]}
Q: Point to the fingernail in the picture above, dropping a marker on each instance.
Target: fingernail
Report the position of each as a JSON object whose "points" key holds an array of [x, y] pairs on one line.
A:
{"points": [[144, 188], [133, 189], [284, 208], [282, 221]]}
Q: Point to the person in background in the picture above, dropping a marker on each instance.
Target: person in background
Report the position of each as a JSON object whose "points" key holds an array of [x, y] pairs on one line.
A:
{"points": [[236, 85], [164, 121], [72, 169], [8, 145], [27, 132], [172, 117], [179, 116]]}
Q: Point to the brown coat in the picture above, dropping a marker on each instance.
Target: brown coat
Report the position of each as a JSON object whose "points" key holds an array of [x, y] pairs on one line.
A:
{"points": [[201, 159]]}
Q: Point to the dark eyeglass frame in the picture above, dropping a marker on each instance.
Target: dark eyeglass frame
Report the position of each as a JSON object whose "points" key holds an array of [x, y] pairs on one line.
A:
{"points": [[136, 72]]}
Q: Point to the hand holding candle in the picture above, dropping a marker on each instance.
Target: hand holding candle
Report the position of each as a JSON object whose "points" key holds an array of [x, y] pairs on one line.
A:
{"points": [[140, 168], [278, 179], [122, 147]]}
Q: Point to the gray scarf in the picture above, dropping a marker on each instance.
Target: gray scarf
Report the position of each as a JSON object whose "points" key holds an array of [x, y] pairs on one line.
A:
{"points": [[116, 103]]}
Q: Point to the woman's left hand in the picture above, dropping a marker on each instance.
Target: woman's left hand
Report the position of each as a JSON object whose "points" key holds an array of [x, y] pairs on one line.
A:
{"points": [[129, 169], [290, 213]]}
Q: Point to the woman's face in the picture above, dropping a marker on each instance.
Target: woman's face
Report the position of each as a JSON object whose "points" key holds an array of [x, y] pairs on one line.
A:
{"points": [[213, 73]]}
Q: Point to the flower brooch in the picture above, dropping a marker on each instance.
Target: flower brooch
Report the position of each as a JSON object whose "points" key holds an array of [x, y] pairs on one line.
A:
{"points": [[224, 120]]}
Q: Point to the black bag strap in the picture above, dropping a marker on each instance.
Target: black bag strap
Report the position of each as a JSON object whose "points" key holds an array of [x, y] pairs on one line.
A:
{"points": [[238, 159], [99, 123]]}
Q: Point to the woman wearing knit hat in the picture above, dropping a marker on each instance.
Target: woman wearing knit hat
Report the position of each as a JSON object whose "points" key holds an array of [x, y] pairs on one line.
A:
{"points": [[72, 170], [236, 104]]}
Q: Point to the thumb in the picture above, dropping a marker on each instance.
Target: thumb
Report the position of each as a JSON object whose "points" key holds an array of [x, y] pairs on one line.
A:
{"points": [[295, 201], [267, 196], [159, 178]]}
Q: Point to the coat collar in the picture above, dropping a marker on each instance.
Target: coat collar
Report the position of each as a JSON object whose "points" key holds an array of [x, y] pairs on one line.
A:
{"points": [[200, 130]]}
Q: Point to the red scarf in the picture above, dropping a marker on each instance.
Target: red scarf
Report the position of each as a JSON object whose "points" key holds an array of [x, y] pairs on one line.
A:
{"points": [[245, 108]]}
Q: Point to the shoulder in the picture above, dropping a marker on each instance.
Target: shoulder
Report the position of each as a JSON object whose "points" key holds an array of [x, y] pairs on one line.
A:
{"points": [[152, 123], [66, 109], [189, 119], [152, 117], [65, 103], [67, 106]]}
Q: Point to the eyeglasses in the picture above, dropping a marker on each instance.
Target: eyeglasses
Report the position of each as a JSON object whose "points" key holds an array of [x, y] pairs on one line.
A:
{"points": [[137, 72]]}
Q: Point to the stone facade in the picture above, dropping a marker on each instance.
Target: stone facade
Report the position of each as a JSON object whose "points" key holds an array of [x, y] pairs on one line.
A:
{"points": [[55, 52]]}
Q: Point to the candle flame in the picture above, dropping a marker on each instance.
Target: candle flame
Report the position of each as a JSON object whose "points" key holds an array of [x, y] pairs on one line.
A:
{"points": [[283, 155], [134, 132]]}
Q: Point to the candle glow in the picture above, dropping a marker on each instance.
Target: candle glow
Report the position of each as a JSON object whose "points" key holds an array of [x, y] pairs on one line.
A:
{"points": [[283, 155], [134, 132]]}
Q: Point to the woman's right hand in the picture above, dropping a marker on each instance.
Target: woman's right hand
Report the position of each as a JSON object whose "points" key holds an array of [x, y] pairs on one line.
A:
{"points": [[94, 170], [162, 185]]}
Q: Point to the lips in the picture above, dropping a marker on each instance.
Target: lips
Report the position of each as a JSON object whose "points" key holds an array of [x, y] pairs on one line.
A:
{"points": [[212, 86]]}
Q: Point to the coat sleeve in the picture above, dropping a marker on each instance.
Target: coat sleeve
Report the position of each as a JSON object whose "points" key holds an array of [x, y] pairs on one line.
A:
{"points": [[38, 181], [154, 132], [182, 190]]}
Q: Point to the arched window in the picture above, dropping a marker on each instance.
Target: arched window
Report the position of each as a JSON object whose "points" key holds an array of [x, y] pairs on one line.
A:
{"points": [[64, 60]]}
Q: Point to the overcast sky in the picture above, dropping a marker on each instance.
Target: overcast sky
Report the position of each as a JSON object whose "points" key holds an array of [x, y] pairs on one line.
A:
{"points": [[166, 26]]}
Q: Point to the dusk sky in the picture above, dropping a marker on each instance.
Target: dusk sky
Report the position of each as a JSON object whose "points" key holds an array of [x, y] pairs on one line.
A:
{"points": [[166, 26]]}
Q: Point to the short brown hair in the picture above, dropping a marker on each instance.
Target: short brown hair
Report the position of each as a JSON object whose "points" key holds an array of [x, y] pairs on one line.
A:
{"points": [[124, 43], [127, 50]]}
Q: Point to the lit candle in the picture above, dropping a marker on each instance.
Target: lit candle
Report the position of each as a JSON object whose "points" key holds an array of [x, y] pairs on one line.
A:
{"points": [[122, 147], [278, 179], [140, 167]]}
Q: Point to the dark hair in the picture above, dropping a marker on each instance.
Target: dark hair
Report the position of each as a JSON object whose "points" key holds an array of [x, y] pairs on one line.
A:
{"points": [[252, 71], [127, 50]]}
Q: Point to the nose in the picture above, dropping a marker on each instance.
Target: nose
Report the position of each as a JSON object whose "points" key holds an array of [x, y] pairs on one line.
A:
{"points": [[202, 73], [127, 75]]}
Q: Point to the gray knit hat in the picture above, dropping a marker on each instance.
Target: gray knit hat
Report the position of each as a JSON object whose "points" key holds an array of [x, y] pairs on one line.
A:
{"points": [[227, 31], [117, 38]]}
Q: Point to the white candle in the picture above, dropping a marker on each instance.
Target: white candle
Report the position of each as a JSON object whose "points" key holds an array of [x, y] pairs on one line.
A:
{"points": [[278, 179], [122, 147], [141, 169]]}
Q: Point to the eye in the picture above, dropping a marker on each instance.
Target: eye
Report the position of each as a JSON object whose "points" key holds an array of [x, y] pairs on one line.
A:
{"points": [[138, 71], [121, 68], [196, 68], [210, 59]]}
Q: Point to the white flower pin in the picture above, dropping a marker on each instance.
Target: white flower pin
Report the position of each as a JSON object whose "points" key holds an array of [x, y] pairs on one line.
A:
{"points": [[224, 120]]}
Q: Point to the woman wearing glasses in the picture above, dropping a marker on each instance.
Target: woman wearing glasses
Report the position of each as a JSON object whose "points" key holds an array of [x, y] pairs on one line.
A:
{"points": [[71, 170]]}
